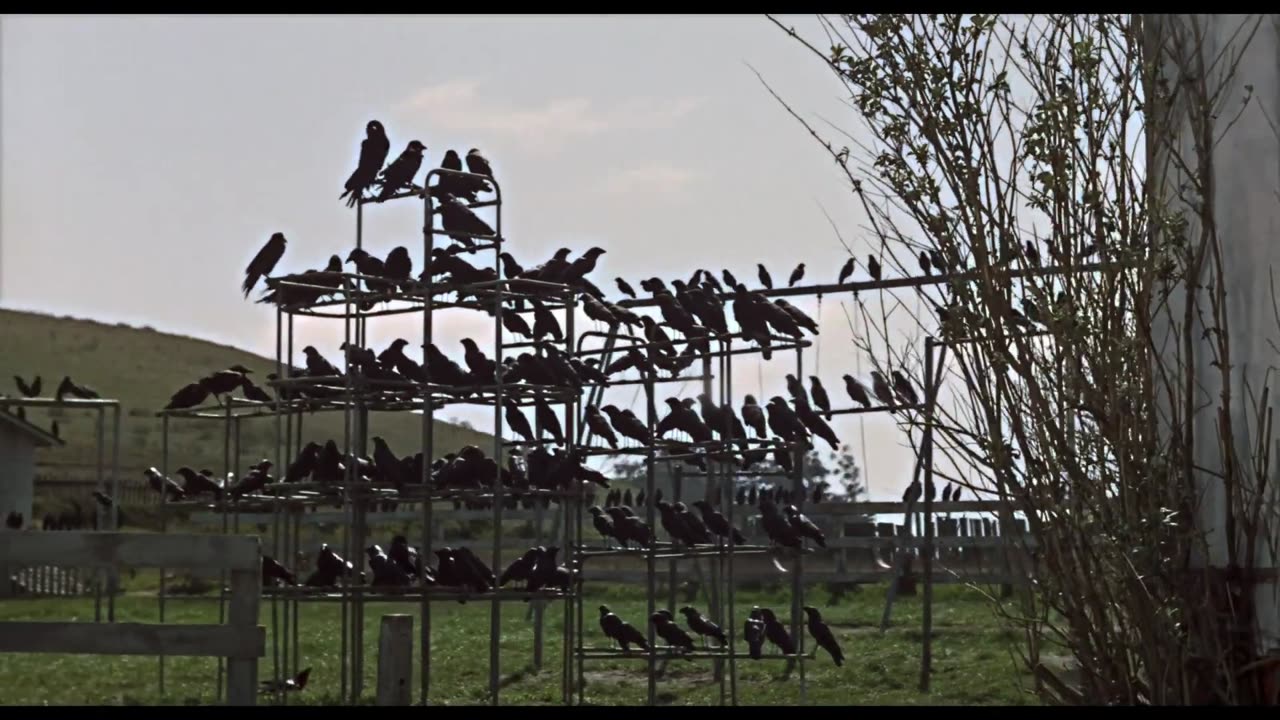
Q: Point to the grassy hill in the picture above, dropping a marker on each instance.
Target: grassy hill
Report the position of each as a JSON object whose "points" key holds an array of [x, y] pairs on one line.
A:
{"points": [[142, 368]]}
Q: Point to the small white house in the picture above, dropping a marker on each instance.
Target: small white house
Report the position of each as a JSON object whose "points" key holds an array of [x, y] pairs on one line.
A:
{"points": [[18, 442]]}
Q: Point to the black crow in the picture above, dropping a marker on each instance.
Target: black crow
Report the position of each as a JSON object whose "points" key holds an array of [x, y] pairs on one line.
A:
{"points": [[264, 262], [823, 635], [373, 152], [400, 172]]}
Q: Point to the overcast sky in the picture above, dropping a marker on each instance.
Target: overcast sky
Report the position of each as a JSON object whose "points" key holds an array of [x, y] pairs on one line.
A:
{"points": [[146, 159]]}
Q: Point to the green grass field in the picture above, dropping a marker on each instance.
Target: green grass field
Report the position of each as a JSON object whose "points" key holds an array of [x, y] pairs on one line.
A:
{"points": [[142, 368], [972, 660]]}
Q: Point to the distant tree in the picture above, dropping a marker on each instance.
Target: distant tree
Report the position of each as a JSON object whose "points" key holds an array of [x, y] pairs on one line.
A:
{"points": [[839, 466], [629, 471], [848, 474]]}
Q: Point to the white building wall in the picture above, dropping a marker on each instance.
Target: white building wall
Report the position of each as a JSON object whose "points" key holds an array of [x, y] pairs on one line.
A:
{"points": [[1246, 202], [17, 474]]}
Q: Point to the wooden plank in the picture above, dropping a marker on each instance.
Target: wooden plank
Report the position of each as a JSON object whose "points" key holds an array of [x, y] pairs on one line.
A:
{"points": [[85, 638], [395, 660], [242, 674], [104, 549]]}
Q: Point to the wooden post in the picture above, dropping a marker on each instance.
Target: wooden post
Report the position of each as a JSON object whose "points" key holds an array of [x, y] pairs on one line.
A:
{"points": [[885, 552], [395, 660], [242, 673], [948, 527], [907, 578]]}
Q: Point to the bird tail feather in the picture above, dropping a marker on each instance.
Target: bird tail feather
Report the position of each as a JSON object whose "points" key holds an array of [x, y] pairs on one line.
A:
{"points": [[777, 563]]}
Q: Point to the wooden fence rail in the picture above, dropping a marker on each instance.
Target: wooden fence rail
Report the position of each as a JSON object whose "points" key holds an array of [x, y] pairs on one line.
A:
{"points": [[241, 641]]}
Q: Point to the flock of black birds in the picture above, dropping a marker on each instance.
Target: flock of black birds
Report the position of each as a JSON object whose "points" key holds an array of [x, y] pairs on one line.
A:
{"points": [[917, 490], [392, 374], [693, 313], [526, 476], [761, 626], [65, 388], [785, 527], [401, 565], [220, 385]]}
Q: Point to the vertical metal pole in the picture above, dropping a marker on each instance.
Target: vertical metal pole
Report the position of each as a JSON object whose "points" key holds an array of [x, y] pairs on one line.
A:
{"points": [[712, 493], [676, 471], [293, 422], [651, 561], [726, 364], [222, 574], [297, 546], [284, 452], [344, 588], [536, 606], [926, 450], [113, 578], [164, 518], [573, 503], [428, 447], [797, 579], [495, 608], [102, 575]]}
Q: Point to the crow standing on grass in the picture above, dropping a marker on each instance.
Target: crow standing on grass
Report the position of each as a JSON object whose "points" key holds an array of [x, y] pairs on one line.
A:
{"points": [[823, 635]]}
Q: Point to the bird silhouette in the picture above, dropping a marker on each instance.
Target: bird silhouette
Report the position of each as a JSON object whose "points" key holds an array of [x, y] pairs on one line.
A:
{"points": [[400, 172], [373, 152], [823, 635], [32, 390], [846, 271], [264, 262], [763, 274]]}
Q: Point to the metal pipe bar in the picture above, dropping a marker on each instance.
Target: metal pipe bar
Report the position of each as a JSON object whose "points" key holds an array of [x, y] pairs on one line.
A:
{"points": [[904, 282]]}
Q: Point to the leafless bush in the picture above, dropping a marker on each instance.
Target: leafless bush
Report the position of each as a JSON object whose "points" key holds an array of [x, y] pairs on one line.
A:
{"points": [[1059, 170]]}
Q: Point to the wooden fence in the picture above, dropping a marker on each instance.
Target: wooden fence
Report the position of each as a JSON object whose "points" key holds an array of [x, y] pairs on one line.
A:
{"points": [[56, 492], [50, 581], [241, 641]]}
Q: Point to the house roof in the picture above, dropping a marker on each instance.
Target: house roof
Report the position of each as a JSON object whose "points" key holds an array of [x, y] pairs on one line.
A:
{"points": [[38, 436]]}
